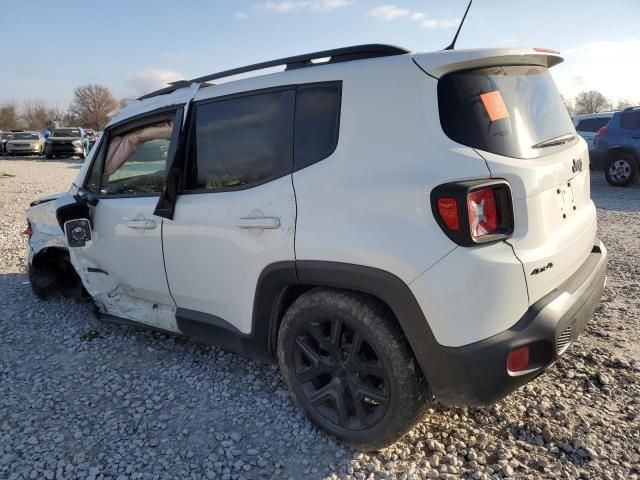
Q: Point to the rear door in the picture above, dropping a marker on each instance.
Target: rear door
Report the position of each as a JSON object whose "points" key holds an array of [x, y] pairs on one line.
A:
{"points": [[235, 214], [514, 117]]}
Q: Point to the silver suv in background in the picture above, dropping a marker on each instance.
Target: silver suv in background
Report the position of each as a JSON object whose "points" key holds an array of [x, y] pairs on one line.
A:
{"points": [[587, 125]]}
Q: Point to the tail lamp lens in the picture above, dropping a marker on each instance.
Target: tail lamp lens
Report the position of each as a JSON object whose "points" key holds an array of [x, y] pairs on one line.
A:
{"points": [[471, 212], [601, 133], [448, 210], [518, 359], [483, 214]]}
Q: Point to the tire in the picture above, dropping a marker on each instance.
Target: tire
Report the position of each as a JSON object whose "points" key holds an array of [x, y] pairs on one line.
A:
{"points": [[621, 170], [368, 399], [48, 157]]}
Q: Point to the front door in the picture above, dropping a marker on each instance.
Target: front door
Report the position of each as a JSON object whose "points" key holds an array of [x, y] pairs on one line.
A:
{"points": [[123, 267], [236, 213]]}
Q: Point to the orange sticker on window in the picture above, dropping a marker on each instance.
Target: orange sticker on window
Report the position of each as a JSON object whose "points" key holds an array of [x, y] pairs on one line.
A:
{"points": [[494, 104]]}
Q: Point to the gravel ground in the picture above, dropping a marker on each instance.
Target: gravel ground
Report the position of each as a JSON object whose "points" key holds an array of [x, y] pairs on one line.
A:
{"points": [[80, 398]]}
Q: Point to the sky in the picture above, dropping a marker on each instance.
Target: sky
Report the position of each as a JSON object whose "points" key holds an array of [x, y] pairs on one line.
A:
{"points": [[134, 46]]}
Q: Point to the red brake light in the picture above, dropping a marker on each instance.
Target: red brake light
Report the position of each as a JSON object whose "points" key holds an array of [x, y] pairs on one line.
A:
{"points": [[483, 214], [448, 210], [518, 359], [28, 231], [602, 132]]}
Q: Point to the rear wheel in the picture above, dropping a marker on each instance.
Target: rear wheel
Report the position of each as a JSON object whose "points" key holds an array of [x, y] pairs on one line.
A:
{"points": [[621, 170], [349, 367]]}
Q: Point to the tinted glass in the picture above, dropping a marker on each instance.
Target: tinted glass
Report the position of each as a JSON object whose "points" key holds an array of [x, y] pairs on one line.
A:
{"points": [[241, 141], [630, 121], [317, 123], [592, 124], [504, 110]]}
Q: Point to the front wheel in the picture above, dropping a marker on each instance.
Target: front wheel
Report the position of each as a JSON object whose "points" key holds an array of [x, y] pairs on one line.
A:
{"points": [[350, 368], [621, 170]]}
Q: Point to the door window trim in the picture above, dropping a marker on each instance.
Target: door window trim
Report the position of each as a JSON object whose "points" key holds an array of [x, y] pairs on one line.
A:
{"points": [[133, 123]]}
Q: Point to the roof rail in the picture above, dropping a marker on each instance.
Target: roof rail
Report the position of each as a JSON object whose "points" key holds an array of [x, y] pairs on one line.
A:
{"points": [[345, 54], [631, 108]]}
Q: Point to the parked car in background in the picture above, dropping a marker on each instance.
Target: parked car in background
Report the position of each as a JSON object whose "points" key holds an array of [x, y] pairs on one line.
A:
{"points": [[587, 125], [67, 142], [461, 260], [91, 137], [4, 138], [25, 143], [616, 148]]}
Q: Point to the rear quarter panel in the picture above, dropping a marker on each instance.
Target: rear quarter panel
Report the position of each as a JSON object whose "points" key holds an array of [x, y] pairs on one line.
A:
{"points": [[369, 202]]}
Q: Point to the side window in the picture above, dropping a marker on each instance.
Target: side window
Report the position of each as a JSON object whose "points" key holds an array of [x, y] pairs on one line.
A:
{"points": [[133, 163], [242, 141], [317, 123], [630, 121]]}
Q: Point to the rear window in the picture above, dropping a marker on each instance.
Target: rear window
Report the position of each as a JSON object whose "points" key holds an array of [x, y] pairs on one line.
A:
{"points": [[591, 124], [506, 110], [630, 121]]}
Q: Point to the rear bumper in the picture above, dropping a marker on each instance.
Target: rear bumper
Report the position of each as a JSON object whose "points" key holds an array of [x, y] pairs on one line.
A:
{"points": [[476, 374]]}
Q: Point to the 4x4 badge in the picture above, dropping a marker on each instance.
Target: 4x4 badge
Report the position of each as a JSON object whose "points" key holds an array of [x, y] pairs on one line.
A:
{"points": [[577, 165], [542, 269]]}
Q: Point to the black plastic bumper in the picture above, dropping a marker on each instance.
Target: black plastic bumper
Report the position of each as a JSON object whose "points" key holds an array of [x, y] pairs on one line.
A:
{"points": [[476, 374]]}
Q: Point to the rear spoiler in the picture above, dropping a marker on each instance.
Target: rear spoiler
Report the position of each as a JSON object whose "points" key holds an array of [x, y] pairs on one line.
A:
{"points": [[442, 62]]}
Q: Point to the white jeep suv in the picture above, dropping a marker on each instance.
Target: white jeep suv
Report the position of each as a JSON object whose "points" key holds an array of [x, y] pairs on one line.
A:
{"points": [[389, 226]]}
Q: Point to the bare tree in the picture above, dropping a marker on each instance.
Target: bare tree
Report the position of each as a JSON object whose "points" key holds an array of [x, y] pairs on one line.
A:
{"points": [[9, 116], [36, 115], [92, 106], [622, 104], [591, 102], [568, 103]]}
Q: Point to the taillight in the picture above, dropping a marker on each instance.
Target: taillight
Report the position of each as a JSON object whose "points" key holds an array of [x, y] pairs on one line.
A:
{"points": [[448, 210], [600, 133], [483, 214], [28, 231], [474, 212]]}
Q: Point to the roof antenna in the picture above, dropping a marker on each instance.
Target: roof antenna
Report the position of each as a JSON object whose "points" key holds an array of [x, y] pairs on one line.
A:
{"points": [[453, 43]]}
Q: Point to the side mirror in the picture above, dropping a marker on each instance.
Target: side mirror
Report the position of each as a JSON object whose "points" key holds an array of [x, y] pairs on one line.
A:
{"points": [[78, 232]]}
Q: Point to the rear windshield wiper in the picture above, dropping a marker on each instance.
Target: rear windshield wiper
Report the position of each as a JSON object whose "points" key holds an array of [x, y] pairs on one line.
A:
{"points": [[559, 140]]}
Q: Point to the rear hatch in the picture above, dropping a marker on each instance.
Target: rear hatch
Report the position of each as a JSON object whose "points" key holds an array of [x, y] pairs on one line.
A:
{"points": [[505, 105]]}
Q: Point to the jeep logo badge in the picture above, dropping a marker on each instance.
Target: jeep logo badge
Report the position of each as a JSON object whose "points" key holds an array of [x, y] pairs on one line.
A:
{"points": [[577, 165]]}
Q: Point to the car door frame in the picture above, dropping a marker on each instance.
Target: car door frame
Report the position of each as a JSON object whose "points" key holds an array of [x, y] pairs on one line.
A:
{"points": [[88, 199]]}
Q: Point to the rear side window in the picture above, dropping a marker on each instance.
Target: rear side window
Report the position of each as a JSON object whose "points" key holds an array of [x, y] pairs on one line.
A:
{"points": [[507, 110], [241, 142], [317, 123], [630, 121], [591, 124]]}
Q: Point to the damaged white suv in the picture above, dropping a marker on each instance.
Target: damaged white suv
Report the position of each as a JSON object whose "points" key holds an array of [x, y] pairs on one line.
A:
{"points": [[389, 226]]}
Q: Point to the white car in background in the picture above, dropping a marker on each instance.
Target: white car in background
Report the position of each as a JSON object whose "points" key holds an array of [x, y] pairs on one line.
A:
{"points": [[588, 125], [388, 226], [25, 143]]}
